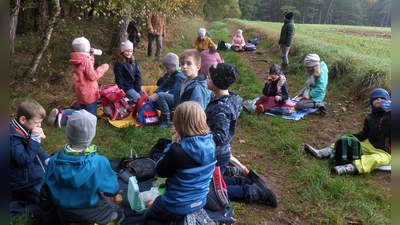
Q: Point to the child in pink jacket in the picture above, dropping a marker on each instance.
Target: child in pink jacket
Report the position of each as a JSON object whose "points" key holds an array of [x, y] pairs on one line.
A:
{"points": [[85, 76], [238, 41]]}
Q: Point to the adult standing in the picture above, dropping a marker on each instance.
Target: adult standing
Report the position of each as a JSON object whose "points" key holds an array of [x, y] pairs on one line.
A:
{"points": [[156, 28], [286, 39]]}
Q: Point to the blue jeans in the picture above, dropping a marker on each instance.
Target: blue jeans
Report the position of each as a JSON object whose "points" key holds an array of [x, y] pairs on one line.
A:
{"points": [[92, 107], [165, 102], [151, 38], [132, 94], [285, 59], [237, 189], [156, 214]]}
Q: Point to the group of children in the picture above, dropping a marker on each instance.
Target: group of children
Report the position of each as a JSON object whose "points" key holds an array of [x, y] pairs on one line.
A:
{"points": [[78, 180]]}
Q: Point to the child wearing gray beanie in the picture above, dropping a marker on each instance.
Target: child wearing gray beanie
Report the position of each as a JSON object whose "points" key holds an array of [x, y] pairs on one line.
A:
{"points": [[79, 180]]}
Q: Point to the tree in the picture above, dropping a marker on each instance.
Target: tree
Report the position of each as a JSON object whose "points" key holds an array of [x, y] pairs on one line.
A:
{"points": [[13, 23]]}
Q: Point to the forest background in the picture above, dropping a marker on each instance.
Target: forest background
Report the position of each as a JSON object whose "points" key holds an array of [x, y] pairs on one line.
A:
{"points": [[44, 37]]}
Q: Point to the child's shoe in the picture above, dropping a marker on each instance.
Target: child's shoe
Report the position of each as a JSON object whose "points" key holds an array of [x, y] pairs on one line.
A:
{"points": [[59, 118], [350, 169], [53, 116]]}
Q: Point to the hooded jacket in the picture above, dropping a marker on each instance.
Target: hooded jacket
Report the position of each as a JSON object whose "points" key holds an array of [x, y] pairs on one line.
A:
{"points": [[188, 166], [128, 76], [287, 33], [170, 83], [85, 77], [222, 114], [76, 180], [318, 88], [195, 90], [201, 45]]}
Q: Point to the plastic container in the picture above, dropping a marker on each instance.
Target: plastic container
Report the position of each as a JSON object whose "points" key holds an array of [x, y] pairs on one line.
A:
{"points": [[133, 196]]}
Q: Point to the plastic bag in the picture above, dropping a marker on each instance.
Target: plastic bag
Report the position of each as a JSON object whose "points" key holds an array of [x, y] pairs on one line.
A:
{"points": [[147, 197]]}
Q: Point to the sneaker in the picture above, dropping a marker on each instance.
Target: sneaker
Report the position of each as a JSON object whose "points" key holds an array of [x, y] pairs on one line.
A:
{"points": [[53, 116], [235, 163], [260, 109], [350, 169], [246, 109], [165, 124]]}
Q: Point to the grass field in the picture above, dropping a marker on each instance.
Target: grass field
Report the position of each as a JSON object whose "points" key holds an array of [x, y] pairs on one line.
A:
{"points": [[307, 193]]}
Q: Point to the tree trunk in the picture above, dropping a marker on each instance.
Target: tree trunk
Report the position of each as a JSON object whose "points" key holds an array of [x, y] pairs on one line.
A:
{"points": [[120, 33], [45, 41], [387, 19], [41, 15], [329, 11], [320, 14], [13, 24]]}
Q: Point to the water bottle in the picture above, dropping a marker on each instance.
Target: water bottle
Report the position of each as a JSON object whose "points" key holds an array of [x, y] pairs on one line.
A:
{"points": [[386, 105], [125, 174]]}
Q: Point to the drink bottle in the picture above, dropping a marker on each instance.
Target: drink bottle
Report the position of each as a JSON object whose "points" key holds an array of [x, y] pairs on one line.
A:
{"points": [[386, 105], [125, 174]]}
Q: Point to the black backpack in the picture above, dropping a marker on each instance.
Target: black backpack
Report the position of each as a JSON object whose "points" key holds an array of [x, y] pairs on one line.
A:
{"points": [[347, 149], [254, 41], [222, 45]]}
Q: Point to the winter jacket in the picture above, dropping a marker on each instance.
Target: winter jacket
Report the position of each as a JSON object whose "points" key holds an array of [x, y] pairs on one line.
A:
{"points": [[128, 76], [156, 23], [26, 159], [238, 41], [207, 59], [201, 45], [277, 87], [195, 90], [85, 77], [75, 181], [170, 83], [377, 129], [188, 166], [222, 114], [318, 90], [287, 33]]}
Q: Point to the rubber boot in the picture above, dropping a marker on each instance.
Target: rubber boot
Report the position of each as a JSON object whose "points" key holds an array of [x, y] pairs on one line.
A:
{"points": [[165, 121], [319, 153], [251, 177], [322, 107], [260, 192], [285, 68], [349, 169]]}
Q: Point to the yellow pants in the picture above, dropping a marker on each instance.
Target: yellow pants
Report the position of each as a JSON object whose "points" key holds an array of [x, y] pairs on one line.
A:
{"points": [[372, 158]]}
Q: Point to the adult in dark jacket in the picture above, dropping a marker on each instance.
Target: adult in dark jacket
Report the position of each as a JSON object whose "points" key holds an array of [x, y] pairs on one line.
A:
{"points": [[133, 31], [286, 39], [27, 161], [127, 73], [375, 139]]}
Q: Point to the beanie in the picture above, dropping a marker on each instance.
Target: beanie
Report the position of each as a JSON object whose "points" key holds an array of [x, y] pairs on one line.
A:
{"points": [[126, 45], [81, 44], [202, 32], [311, 60], [378, 93], [275, 69], [81, 128], [288, 14], [171, 60], [240, 31], [223, 75]]}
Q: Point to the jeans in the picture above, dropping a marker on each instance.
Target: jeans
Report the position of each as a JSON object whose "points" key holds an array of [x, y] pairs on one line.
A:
{"points": [[285, 59], [156, 214], [151, 38], [91, 108], [165, 102], [237, 189], [132, 94]]}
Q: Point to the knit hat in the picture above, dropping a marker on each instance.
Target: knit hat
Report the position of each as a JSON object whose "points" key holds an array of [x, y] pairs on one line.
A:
{"points": [[223, 75], [171, 60], [240, 31], [288, 14], [378, 93], [311, 60], [81, 128], [81, 44], [275, 69], [202, 32], [126, 45]]}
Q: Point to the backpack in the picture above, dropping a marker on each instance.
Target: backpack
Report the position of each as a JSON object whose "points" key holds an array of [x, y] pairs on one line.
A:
{"points": [[145, 111], [254, 41], [114, 104], [347, 149], [221, 45], [217, 197], [249, 47]]}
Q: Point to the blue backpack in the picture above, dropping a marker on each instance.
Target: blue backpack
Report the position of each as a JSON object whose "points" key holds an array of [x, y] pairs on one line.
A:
{"points": [[249, 47], [145, 111]]}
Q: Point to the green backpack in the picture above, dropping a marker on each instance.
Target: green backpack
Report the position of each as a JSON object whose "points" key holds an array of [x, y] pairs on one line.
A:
{"points": [[347, 149]]}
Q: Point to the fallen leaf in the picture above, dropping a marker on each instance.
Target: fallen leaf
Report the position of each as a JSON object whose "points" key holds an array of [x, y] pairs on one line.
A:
{"points": [[344, 109], [242, 141]]}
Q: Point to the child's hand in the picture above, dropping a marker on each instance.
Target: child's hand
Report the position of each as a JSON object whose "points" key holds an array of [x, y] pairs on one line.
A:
{"points": [[37, 130], [176, 137], [277, 98]]}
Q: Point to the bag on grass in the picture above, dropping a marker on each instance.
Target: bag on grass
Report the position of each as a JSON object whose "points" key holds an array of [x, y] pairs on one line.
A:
{"points": [[141, 167], [217, 197], [249, 47], [114, 104], [347, 149], [221, 45], [145, 111], [254, 41]]}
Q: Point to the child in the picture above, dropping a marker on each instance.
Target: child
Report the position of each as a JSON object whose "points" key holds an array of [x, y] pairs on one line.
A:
{"points": [[188, 163], [79, 179], [202, 41], [275, 91], [59, 117], [222, 113], [164, 94], [27, 161], [194, 87], [209, 57], [238, 41], [127, 73], [375, 139], [85, 76]]}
